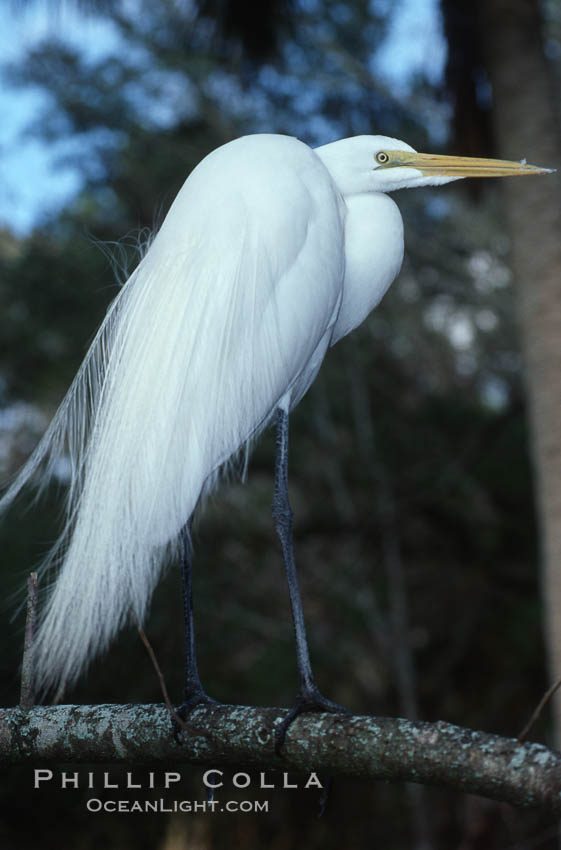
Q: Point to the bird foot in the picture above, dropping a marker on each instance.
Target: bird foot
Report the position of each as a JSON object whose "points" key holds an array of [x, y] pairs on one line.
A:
{"points": [[192, 699], [307, 701]]}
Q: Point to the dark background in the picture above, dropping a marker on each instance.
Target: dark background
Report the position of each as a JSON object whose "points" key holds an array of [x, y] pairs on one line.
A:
{"points": [[410, 477]]}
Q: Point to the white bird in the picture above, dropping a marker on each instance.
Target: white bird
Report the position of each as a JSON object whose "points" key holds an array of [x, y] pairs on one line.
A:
{"points": [[269, 255]]}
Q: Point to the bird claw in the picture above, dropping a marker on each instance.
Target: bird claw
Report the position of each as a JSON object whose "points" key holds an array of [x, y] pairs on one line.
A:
{"points": [[197, 697], [310, 701]]}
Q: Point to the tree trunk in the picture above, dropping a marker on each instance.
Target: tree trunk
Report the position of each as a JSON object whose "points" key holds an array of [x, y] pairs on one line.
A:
{"points": [[526, 125]]}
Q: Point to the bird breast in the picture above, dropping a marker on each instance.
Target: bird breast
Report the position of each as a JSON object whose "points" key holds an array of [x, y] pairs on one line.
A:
{"points": [[373, 257]]}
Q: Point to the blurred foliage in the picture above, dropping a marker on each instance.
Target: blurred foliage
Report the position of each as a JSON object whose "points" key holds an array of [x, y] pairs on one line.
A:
{"points": [[408, 453]]}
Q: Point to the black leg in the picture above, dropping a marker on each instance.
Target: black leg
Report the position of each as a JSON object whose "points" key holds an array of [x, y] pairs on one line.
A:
{"points": [[309, 698], [193, 693]]}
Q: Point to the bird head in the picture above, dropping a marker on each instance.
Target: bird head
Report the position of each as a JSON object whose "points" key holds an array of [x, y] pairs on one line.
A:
{"points": [[381, 164]]}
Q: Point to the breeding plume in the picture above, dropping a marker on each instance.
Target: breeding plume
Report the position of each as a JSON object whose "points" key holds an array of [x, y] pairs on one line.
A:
{"points": [[269, 255]]}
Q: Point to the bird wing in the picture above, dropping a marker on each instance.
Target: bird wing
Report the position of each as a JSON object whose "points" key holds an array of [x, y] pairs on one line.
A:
{"points": [[223, 319], [253, 297]]}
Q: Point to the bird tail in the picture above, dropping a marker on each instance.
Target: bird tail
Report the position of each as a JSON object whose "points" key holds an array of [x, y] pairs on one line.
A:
{"points": [[136, 424]]}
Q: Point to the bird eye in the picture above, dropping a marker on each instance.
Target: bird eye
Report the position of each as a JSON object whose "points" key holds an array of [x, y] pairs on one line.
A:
{"points": [[382, 157]]}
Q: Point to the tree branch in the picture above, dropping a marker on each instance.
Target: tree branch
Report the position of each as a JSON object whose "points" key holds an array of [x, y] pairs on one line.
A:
{"points": [[388, 749]]}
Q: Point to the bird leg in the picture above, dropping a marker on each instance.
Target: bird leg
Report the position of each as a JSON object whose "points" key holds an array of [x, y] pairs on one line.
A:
{"points": [[308, 698], [193, 691]]}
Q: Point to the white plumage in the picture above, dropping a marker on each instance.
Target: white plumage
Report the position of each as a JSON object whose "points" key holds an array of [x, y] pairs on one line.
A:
{"points": [[270, 253]]}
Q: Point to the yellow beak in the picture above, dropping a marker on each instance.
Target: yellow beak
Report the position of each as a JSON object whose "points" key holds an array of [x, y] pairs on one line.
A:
{"points": [[462, 166]]}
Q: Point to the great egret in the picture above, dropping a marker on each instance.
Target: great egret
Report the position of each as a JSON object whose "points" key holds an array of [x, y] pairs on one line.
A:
{"points": [[269, 255]]}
